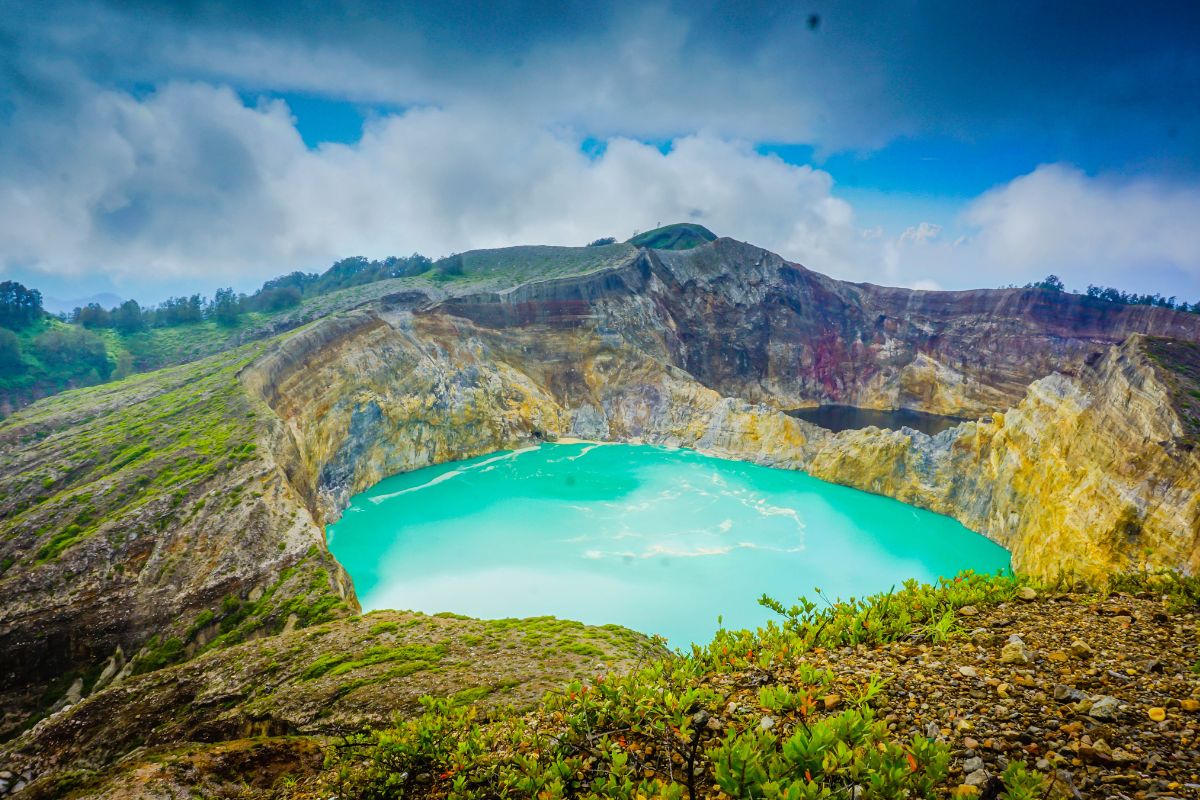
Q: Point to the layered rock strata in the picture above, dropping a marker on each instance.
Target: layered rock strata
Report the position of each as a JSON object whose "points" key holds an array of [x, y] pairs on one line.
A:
{"points": [[197, 495]]}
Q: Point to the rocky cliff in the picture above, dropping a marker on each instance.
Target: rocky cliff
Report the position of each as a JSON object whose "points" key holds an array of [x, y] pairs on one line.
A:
{"points": [[178, 513]]}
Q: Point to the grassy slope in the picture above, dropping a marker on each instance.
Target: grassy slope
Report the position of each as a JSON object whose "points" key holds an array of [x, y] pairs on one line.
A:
{"points": [[155, 348], [680, 236], [516, 265], [338, 676], [91, 456]]}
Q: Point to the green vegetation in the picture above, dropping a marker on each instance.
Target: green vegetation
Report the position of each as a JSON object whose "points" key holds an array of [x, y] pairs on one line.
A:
{"points": [[680, 236], [517, 265], [648, 733], [92, 345], [122, 457], [19, 307], [158, 653], [1052, 283], [410, 658]]}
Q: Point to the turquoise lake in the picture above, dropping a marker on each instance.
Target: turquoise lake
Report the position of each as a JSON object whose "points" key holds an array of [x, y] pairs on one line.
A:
{"points": [[660, 540]]}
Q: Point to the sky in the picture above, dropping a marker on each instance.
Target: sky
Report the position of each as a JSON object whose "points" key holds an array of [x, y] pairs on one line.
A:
{"points": [[150, 149]]}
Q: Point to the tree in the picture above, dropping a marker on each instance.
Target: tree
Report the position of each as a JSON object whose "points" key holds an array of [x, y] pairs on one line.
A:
{"points": [[73, 354], [275, 299], [1050, 283], [603, 241], [19, 306], [10, 353], [92, 316], [224, 308], [180, 310], [128, 317]]}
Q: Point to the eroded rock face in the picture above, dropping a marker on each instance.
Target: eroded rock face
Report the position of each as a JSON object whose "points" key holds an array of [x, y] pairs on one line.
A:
{"points": [[1089, 472], [1090, 469], [748, 324], [1086, 476]]}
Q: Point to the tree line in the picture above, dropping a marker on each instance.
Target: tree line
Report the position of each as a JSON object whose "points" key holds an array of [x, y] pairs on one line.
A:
{"points": [[226, 307], [37, 359], [1113, 295]]}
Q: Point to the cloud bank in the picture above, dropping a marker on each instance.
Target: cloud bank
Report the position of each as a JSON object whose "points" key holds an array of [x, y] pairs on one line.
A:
{"points": [[190, 182]]}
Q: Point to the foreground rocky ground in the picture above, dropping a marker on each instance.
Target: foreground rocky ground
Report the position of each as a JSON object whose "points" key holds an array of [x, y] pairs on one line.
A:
{"points": [[1029, 693], [1099, 691], [245, 717], [976, 688]]}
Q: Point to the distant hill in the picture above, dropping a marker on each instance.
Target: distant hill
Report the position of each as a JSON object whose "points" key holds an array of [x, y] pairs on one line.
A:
{"points": [[680, 236]]}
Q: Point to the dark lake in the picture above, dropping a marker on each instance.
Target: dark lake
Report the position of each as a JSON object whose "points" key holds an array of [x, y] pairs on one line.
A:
{"points": [[844, 418]]}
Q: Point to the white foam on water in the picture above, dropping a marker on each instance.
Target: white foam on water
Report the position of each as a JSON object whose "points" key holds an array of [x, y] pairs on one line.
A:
{"points": [[445, 476], [486, 464]]}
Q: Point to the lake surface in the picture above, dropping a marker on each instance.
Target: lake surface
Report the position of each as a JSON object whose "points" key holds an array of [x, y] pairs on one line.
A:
{"points": [[844, 418], [662, 541]]}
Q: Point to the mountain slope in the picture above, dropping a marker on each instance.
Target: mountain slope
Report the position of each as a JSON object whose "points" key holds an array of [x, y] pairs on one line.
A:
{"points": [[174, 514]]}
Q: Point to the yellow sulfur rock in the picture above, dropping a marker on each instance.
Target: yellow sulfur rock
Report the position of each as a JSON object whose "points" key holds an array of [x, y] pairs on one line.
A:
{"points": [[1158, 714]]}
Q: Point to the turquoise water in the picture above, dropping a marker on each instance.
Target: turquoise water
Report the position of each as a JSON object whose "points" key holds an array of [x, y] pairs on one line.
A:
{"points": [[662, 541]]}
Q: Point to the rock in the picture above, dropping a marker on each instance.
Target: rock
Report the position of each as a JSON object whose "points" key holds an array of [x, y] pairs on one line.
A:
{"points": [[983, 637], [832, 701], [932, 731], [114, 664], [1158, 714], [1190, 705], [976, 778], [1067, 693], [968, 611], [766, 723], [1014, 653], [1104, 707], [1081, 649], [1097, 753], [1057, 655], [972, 764], [968, 672], [1027, 594], [969, 743]]}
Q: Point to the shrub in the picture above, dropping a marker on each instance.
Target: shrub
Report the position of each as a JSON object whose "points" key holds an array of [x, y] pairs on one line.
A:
{"points": [[10, 352], [73, 354], [19, 306], [648, 734]]}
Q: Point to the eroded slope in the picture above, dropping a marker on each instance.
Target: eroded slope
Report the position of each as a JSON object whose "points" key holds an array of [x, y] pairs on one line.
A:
{"points": [[181, 512]]}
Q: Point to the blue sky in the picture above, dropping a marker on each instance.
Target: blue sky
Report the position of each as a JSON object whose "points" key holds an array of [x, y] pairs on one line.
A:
{"points": [[154, 148]]}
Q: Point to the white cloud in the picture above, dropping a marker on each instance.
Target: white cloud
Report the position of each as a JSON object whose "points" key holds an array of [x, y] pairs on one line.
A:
{"points": [[922, 233], [1136, 234], [1059, 218], [190, 182]]}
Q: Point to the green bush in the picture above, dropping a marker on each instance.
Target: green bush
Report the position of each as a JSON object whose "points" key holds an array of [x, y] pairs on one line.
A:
{"points": [[10, 352], [669, 730]]}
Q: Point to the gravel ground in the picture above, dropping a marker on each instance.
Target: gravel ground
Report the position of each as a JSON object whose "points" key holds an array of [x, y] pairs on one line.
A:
{"points": [[1101, 692]]}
